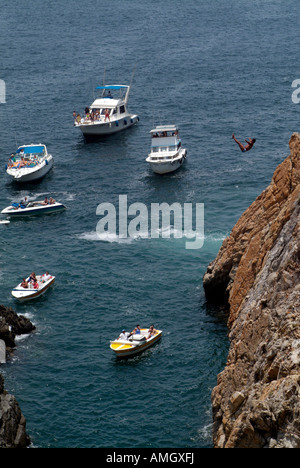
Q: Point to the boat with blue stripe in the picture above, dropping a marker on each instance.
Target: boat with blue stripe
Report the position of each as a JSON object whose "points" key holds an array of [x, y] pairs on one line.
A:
{"points": [[29, 163], [34, 208]]}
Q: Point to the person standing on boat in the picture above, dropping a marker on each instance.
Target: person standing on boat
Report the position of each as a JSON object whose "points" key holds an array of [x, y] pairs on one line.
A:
{"points": [[247, 147], [107, 115]]}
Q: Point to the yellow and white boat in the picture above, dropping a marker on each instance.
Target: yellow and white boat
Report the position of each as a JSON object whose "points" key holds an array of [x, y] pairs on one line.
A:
{"points": [[135, 344]]}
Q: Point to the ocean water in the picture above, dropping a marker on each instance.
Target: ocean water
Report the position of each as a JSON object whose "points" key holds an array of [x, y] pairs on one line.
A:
{"points": [[213, 68]]}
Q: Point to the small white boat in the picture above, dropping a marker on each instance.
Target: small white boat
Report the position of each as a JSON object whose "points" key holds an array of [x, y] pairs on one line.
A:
{"points": [[107, 114], [16, 210], [31, 292], [166, 154], [135, 343], [29, 163]]}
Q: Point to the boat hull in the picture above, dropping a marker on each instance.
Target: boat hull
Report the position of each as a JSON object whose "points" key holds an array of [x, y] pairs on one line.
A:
{"points": [[165, 167], [124, 349], [23, 295], [96, 129], [33, 211], [27, 175]]}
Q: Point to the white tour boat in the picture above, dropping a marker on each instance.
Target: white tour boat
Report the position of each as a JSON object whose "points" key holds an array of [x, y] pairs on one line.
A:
{"points": [[166, 153], [29, 163], [107, 114], [33, 208], [32, 291], [135, 344]]}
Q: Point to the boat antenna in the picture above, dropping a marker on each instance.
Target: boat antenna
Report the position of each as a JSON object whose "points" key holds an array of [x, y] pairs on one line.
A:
{"points": [[132, 75], [103, 83]]}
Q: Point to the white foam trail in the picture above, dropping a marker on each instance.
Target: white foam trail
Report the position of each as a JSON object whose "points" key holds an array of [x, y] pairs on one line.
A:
{"points": [[167, 233], [105, 237]]}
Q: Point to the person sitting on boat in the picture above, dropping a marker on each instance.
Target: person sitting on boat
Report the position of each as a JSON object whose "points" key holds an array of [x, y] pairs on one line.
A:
{"points": [[11, 160], [35, 284], [52, 201], [124, 335], [45, 277], [22, 204], [32, 277], [45, 202], [24, 284], [136, 331], [22, 162], [151, 332]]}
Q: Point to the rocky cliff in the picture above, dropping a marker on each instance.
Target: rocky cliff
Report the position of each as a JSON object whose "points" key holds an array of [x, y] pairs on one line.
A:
{"points": [[257, 273], [12, 421]]}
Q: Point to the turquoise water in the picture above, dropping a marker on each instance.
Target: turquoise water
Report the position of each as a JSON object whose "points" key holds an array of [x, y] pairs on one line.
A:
{"points": [[212, 68]]}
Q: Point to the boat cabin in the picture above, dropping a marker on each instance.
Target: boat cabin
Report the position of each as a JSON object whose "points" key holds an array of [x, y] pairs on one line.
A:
{"points": [[112, 102], [165, 138]]}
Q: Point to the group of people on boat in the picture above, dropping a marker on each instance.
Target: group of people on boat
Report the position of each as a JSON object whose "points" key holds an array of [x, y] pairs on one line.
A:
{"points": [[91, 116], [47, 201], [24, 203], [19, 163], [137, 331], [164, 134], [32, 281]]}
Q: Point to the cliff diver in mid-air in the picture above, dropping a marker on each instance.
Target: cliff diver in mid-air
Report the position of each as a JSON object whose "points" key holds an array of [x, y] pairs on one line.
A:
{"points": [[247, 147]]}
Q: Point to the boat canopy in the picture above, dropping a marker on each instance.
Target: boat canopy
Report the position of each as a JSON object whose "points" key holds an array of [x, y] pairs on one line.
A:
{"points": [[164, 128], [31, 149], [112, 87]]}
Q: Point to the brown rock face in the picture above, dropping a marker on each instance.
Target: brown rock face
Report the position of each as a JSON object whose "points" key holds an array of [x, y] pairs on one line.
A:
{"points": [[12, 422], [257, 272]]}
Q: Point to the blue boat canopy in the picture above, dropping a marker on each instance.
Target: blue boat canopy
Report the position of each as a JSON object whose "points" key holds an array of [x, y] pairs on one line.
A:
{"points": [[112, 87], [31, 149]]}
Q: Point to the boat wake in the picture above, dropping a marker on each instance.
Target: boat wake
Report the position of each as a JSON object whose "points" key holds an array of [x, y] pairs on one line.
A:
{"points": [[167, 233]]}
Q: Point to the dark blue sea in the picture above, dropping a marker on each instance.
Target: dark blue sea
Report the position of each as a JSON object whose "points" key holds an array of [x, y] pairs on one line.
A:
{"points": [[212, 68]]}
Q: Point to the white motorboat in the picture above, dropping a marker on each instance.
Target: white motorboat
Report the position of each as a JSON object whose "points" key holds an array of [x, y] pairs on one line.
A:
{"points": [[32, 291], [166, 154], [16, 210], [29, 163], [107, 114], [135, 344]]}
